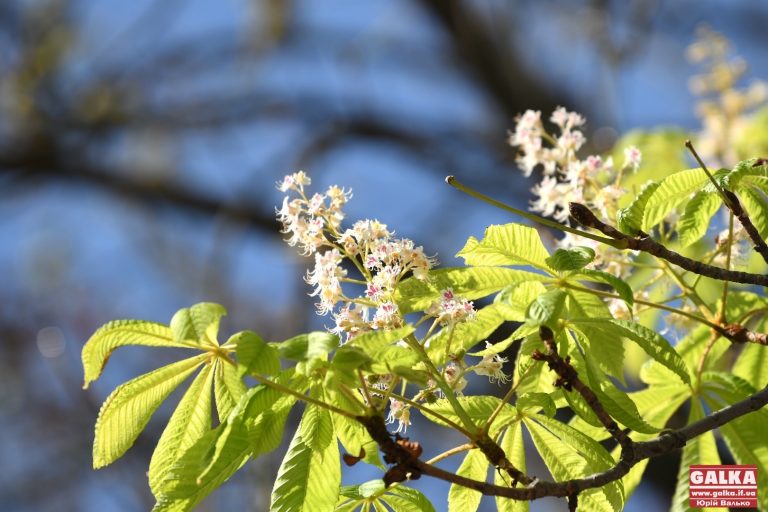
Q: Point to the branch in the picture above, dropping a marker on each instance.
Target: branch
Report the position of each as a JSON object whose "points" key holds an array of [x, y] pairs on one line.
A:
{"points": [[408, 466], [569, 379], [586, 218]]}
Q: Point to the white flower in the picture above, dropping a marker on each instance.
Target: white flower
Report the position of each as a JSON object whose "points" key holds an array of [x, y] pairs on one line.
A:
{"points": [[387, 316], [632, 157], [491, 366], [455, 378], [451, 310], [400, 412]]}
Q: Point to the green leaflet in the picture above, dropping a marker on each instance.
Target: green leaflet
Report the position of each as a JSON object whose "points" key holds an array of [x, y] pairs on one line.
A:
{"points": [[745, 171], [308, 480], [531, 403], [405, 499], [745, 436], [469, 282], [586, 304], [255, 426], [479, 408], [373, 493], [464, 336], [120, 333], [228, 387], [508, 244], [318, 427], [673, 190], [649, 340], [497, 348], [598, 276], [352, 435], [547, 309], [514, 448], [630, 218], [189, 422], [565, 463], [698, 214], [700, 450], [757, 208], [198, 324], [464, 499], [517, 298], [317, 344], [127, 410], [574, 258], [375, 340], [254, 355], [606, 350], [752, 365]]}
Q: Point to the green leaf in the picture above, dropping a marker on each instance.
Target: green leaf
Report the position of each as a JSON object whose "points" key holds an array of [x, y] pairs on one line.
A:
{"points": [[582, 409], [695, 219], [349, 357], [546, 309], [198, 324], [673, 190], [510, 244], [120, 333], [514, 447], [189, 422], [531, 403], [757, 208], [649, 340], [318, 427], [752, 365], [127, 410], [467, 334], [745, 171], [352, 435], [308, 480], [574, 258], [375, 340], [469, 282], [566, 463], [699, 450], [254, 355], [255, 426], [464, 499], [317, 344], [598, 276], [745, 436], [388, 358], [228, 387], [630, 218], [608, 350], [406, 499], [517, 298], [479, 408]]}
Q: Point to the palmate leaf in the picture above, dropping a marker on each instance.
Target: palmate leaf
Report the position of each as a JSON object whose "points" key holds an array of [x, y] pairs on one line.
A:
{"points": [[119, 333], [464, 499], [672, 191], [649, 340], [510, 244], [469, 282], [189, 422], [745, 436], [696, 217], [254, 355], [514, 447], [374, 493], [254, 427], [308, 480], [198, 324], [128, 408], [699, 450]]}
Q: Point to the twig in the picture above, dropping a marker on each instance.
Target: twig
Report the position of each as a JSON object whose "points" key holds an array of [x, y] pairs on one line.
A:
{"points": [[569, 379], [586, 218]]}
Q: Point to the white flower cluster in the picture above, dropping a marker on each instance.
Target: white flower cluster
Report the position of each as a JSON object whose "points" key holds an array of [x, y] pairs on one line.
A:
{"points": [[451, 310], [314, 223], [566, 178]]}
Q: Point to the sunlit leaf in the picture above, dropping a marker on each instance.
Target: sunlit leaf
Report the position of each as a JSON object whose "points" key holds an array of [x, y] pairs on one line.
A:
{"points": [[508, 244], [198, 324], [464, 499]]}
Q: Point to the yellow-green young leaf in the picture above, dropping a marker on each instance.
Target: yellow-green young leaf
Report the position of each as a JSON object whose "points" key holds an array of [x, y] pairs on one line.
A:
{"points": [[464, 499], [690, 348], [747, 172], [127, 410], [517, 298], [649, 340], [308, 481], [574, 258], [199, 323], [510, 244], [120, 333], [546, 309], [387, 358], [317, 426], [308, 346], [189, 422], [405, 499], [630, 218], [696, 217], [469, 282], [745, 436], [565, 463], [531, 403], [514, 448], [609, 350], [699, 450], [673, 190], [375, 340], [586, 304], [228, 388], [598, 276], [479, 408], [352, 435], [255, 426], [254, 355], [755, 203], [752, 365], [464, 336]]}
